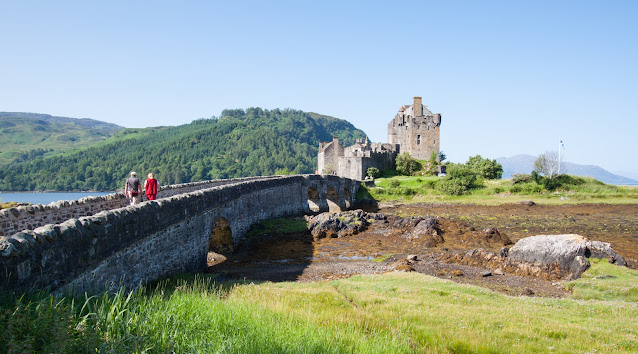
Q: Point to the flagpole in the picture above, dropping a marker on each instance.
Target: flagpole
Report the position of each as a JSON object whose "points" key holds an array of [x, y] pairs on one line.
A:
{"points": [[559, 145]]}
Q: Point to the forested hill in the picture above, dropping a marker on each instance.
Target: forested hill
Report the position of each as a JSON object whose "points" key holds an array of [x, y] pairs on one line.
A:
{"points": [[26, 135], [239, 143]]}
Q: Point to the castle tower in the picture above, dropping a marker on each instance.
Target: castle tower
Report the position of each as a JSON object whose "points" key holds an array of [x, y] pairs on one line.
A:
{"points": [[416, 130]]}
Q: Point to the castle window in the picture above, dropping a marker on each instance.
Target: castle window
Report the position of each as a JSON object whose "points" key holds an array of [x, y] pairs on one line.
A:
{"points": [[418, 139]]}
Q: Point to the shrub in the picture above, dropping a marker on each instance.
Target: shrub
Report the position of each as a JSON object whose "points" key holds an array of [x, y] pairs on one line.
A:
{"points": [[429, 183], [521, 178], [407, 165], [486, 168], [394, 183], [458, 180], [373, 172]]}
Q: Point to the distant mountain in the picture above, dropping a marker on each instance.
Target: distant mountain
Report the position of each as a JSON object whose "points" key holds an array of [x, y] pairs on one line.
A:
{"points": [[24, 136], [525, 164], [632, 175], [249, 142]]}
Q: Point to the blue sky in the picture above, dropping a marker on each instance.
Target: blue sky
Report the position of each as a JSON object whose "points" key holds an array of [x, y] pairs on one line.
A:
{"points": [[508, 77]]}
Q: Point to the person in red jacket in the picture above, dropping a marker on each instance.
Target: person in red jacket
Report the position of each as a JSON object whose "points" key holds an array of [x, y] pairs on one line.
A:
{"points": [[150, 187]]}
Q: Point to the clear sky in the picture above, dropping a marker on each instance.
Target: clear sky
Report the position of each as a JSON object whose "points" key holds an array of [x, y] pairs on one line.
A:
{"points": [[508, 77]]}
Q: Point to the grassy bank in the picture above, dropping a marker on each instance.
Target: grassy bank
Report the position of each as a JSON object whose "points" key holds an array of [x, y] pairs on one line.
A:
{"points": [[424, 190], [393, 312]]}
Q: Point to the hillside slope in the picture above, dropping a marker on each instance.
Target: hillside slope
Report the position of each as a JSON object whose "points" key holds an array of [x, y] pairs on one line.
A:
{"points": [[525, 164], [24, 136], [239, 143]]}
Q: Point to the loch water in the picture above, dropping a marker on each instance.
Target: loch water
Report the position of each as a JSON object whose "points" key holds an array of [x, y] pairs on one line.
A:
{"points": [[45, 198]]}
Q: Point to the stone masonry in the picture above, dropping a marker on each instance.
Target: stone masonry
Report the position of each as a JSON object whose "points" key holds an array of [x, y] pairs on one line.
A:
{"points": [[29, 217], [132, 245]]}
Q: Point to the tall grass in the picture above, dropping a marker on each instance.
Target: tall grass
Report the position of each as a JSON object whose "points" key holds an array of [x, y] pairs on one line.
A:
{"points": [[574, 190], [393, 312]]}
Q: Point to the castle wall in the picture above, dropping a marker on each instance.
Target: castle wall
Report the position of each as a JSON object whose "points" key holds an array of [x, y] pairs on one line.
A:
{"points": [[328, 157], [416, 130], [30, 217], [356, 167], [130, 246]]}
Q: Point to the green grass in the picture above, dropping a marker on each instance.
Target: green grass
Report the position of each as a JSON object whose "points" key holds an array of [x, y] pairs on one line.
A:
{"points": [[422, 190], [382, 258], [607, 282], [392, 312]]}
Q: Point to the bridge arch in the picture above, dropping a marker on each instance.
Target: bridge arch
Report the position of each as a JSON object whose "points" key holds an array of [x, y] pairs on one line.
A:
{"points": [[314, 202], [332, 198], [221, 237], [346, 198]]}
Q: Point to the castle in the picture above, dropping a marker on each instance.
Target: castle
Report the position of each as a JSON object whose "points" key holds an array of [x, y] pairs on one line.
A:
{"points": [[414, 130]]}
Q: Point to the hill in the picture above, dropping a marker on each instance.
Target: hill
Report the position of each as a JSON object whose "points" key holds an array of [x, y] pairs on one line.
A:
{"points": [[24, 136], [525, 164], [239, 143]]}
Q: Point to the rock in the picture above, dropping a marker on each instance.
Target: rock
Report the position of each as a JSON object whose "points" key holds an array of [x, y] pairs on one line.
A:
{"points": [[426, 227], [557, 255], [527, 202], [603, 250], [504, 252], [340, 224], [528, 292], [498, 271], [403, 266], [411, 257], [457, 273], [486, 273]]}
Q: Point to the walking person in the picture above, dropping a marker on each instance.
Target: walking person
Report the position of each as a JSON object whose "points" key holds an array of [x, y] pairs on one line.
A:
{"points": [[133, 188], [150, 187]]}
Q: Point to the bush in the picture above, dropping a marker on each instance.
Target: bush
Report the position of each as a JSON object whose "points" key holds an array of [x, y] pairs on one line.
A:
{"points": [[521, 178], [394, 183], [373, 172], [526, 188], [459, 179], [429, 183], [407, 165], [486, 168]]}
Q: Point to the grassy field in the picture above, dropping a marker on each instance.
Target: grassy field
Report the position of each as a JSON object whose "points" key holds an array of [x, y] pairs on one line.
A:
{"points": [[389, 313], [423, 190]]}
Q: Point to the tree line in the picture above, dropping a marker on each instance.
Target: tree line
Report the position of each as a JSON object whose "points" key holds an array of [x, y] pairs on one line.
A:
{"points": [[239, 143]]}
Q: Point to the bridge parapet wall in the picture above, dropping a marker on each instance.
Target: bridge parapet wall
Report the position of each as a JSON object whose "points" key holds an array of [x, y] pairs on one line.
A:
{"points": [[30, 217], [129, 246]]}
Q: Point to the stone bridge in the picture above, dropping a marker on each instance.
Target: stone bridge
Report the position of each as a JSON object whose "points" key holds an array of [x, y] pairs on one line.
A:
{"points": [[99, 242]]}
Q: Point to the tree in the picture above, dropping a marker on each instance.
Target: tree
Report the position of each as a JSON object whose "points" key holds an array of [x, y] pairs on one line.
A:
{"points": [[459, 179], [407, 165], [547, 164], [486, 168], [373, 172], [433, 164], [442, 156]]}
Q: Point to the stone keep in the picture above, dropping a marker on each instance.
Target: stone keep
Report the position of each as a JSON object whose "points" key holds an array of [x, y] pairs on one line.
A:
{"points": [[416, 130]]}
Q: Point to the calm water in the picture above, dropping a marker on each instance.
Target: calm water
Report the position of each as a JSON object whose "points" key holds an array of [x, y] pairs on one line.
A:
{"points": [[45, 198]]}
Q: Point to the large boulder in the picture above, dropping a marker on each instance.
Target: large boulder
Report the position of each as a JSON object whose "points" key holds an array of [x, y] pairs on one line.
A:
{"points": [[558, 256], [340, 224], [549, 257]]}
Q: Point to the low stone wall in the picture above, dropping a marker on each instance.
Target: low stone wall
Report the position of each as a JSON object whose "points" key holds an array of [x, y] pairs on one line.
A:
{"points": [[132, 245], [30, 217]]}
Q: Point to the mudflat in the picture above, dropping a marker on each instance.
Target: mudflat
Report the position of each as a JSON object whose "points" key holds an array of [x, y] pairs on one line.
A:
{"points": [[300, 257]]}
